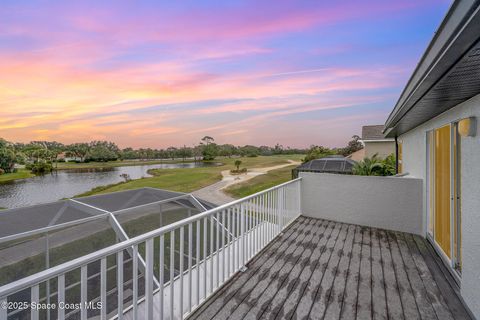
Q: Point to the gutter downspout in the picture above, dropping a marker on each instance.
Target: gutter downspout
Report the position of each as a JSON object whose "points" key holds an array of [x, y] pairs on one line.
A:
{"points": [[396, 155]]}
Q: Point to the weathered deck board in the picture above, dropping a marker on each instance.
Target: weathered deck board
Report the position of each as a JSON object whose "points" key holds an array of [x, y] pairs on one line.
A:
{"points": [[364, 302], [264, 290], [307, 259], [409, 305], [451, 299], [296, 293], [349, 306], [322, 295], [379, 300], [252, 288], [328, 270], [285, 277], [212, 306], [303, 308], [433, 293], [335, 300], [394, 303], [424, 306]]}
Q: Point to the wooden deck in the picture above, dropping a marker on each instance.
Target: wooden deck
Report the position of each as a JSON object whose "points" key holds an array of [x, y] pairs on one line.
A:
{"points": [[320, 269]]}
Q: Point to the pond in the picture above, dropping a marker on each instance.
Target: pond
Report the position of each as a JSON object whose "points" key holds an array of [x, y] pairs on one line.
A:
{"points": [[68, 183]]}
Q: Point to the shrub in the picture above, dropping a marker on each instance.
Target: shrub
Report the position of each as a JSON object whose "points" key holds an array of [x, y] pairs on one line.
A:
{"points": [[389, 166], [39, 167], [126, 177], [243, 170], [7, 157], [2, 171], [375, 166]]}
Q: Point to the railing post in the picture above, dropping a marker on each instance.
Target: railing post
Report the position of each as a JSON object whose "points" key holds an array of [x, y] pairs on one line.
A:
{"points": [[103, 288], [299, 197], [35, 298], [212, 230], [181, 261], [149, 279], [280, 209], [3, 311], [119, 285], [61, 297], [172, 274], [161, 275], [83, 292], [242, 234], [135, 282], [190, 270]]}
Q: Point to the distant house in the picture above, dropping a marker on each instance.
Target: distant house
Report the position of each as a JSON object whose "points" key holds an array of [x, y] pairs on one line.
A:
{"points": [[375, 141], [64, 156]]}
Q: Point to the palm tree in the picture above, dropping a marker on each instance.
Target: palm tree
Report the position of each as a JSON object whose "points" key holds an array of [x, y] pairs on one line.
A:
{"points": [[389, 165], [369, 166], [237, 164]]}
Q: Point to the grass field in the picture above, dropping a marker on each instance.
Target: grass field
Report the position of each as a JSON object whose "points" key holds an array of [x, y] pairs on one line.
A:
{"points": [[190, 179], [259, 183], [20, 174]]}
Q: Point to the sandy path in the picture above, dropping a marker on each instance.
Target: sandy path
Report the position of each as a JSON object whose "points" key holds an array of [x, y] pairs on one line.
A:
{"points": [[214, 192]]}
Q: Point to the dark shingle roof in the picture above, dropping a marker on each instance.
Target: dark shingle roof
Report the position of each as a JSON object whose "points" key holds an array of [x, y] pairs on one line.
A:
{"points": [[373, 132]]}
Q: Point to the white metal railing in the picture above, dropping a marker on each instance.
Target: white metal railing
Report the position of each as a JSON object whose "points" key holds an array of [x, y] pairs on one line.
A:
{"points": [[191, 258]]}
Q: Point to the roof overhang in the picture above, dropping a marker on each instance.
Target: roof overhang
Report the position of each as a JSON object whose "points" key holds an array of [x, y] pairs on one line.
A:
{"points": [[379, 140], [447, 74]]}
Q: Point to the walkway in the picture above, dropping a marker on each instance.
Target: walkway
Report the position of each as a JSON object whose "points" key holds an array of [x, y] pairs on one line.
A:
{"points": [[214, 192]]}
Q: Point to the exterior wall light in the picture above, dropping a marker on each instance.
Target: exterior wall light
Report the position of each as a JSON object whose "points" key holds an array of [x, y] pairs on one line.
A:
{"points": [[467, 127]]}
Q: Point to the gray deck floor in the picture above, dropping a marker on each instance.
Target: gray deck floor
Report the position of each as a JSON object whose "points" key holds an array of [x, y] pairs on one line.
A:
{"points": [[320, 269]]}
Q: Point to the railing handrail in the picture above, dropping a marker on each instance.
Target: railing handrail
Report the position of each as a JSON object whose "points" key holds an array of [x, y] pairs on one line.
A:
{"points": [[63, 268]]}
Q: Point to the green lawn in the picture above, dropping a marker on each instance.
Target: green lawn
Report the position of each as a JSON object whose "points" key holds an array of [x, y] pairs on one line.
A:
{"points": [[190, 179], [20, 174], [259, 183]]}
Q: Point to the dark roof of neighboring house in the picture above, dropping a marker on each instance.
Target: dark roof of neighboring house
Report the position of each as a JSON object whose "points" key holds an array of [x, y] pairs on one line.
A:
{"points": [[447, 73], [374, 132], [331, 164]]}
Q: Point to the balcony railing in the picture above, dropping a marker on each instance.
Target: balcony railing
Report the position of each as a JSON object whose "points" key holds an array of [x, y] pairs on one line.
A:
{"points": [[166, 273]]}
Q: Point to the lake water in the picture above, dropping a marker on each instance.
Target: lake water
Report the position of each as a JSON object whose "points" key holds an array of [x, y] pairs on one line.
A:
{"points": [[68, 183]]}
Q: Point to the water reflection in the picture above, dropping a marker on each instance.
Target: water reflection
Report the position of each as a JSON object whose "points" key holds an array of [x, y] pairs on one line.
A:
{"points": [[67, 183]]}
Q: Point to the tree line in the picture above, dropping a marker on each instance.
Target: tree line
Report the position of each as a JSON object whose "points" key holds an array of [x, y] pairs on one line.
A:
{"points": [[41, 156], [316, 152]]}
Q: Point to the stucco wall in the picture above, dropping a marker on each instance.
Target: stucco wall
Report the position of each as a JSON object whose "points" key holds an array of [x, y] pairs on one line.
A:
{"points": [[415, 163], [382, 202], [383, 148]]}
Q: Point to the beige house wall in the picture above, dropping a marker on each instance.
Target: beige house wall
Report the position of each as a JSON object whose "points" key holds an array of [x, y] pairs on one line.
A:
{"points": [[383, 148], [357, 155]]}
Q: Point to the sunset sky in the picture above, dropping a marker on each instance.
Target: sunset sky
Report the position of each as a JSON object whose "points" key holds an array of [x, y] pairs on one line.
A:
{"points": [[162, 73]]}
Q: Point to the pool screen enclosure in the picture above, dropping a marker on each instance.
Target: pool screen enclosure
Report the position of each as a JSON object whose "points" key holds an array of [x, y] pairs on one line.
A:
{"points": [[39, 237]]}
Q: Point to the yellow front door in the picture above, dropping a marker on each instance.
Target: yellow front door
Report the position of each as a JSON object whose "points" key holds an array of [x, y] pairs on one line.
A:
{"points": [[442, 189]]}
